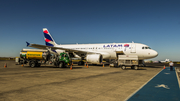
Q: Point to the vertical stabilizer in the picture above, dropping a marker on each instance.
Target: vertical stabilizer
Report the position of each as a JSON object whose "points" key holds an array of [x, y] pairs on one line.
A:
{"points": [[48, 38]]}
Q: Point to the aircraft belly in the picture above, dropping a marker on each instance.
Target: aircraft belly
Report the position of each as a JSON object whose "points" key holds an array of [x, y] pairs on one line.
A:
{"points": [[112, 55]]}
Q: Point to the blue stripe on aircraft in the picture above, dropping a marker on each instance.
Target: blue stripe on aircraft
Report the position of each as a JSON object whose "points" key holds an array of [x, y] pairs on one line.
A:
{"points": [[48, 37], [49, 44]]}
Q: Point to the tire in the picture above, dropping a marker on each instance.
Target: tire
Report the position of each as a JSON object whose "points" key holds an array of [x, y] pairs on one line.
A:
{"points": [[61, 64], [32, 64], [132, 67], [136, 67], [123, 67]]}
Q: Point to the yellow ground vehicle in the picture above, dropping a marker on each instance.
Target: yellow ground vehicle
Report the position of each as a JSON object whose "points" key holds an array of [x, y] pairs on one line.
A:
{"points": [[35, 57]]}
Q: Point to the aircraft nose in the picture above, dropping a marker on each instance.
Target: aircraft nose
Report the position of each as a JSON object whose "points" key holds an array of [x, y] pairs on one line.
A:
{"points": [[154, 53]]}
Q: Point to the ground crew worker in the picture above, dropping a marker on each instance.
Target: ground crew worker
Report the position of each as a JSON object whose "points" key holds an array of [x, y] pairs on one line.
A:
{"points": [[171, 64]]}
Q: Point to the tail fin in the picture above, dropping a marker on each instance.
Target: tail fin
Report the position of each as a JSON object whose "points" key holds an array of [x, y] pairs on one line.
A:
{"points": [[48, 38]]}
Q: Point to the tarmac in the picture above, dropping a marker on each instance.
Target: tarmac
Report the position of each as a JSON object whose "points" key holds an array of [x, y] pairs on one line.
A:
{"points": [[95, 83]]}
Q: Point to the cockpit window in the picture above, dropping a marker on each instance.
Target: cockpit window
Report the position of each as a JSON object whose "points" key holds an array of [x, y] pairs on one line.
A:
{"points": [[146, 48]]}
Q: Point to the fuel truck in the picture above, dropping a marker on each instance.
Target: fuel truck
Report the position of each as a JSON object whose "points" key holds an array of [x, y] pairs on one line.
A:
{"points": [[36, 57]]}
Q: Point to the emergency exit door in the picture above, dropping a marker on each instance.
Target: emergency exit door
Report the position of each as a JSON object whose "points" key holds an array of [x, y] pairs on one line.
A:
{"points": [[133, 48]]}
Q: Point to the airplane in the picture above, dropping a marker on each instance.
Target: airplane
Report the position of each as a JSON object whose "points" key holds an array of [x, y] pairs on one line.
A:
{"points": [[166, 60], [96, 53]]}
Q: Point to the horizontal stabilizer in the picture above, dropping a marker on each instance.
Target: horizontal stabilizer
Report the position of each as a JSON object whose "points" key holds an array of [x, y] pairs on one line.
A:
{"points": [[27, 43]]}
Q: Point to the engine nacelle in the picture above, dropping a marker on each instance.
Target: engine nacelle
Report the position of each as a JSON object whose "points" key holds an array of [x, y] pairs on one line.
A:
{"points": [[94, 58]]}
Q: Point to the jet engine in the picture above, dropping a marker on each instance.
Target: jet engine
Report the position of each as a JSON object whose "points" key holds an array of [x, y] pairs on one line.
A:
{"points": [[94, 58]]}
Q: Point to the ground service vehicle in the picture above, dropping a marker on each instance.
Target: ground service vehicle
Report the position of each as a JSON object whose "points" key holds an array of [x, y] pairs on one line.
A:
{"points": [[63, 60], [36, 57], [124, 61], [128, 60]]}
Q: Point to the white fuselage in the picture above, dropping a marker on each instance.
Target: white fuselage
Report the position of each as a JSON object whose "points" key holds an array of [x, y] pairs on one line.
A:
{"points": [[110, 50]]}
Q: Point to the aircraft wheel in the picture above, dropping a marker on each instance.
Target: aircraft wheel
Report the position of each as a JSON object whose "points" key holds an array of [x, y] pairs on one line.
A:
{"points": [[123, 67], [132, 67]]}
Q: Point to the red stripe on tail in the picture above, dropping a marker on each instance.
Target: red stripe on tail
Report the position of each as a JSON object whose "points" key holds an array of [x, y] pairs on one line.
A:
{"points": [[47, 40], [46, 31]]}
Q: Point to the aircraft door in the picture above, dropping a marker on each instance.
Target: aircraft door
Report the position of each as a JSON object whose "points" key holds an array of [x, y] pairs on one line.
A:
{"points": [[133, 48]]}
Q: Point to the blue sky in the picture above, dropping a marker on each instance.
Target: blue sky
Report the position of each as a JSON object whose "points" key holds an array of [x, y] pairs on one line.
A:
{"points": [[155, 23]]}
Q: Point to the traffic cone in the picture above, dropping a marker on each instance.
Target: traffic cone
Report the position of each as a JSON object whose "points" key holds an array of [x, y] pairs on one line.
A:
{"points": [[22, 65], [164, 67], [87, 66], [71, 67], [5, 65], [103, 64]]}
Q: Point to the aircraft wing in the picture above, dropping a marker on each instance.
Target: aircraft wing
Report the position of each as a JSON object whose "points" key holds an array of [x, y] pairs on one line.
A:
{"points": [[61, 48]]}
